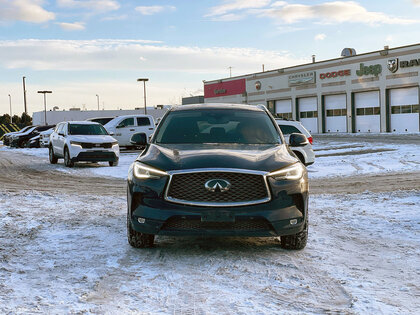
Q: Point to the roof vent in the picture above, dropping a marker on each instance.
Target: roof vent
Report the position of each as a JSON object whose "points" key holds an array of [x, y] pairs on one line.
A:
{"points": [[348, 52]]}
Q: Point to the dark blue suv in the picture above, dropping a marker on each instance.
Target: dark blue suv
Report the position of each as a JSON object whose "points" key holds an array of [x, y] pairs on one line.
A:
{"points": [[220, 170]]}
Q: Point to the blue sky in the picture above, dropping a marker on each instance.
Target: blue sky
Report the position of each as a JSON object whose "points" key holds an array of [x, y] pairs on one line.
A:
{"points": [[80, 48]]}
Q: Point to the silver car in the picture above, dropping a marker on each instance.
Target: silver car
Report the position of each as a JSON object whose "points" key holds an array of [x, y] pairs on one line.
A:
{"points": [[305, 153]]}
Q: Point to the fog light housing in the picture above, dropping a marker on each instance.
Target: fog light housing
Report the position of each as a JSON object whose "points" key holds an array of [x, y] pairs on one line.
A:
{"points": [[141, 220], [293, 222]]}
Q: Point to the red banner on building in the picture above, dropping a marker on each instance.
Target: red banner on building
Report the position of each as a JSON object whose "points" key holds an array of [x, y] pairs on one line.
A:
{"points": [[225, 88]]}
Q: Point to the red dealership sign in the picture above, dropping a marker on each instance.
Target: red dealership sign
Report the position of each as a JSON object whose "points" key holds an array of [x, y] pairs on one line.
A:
{"points": [[225, 88]]}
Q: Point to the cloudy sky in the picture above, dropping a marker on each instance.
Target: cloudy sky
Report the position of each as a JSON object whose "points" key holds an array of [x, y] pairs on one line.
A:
{"points": [[80, 48]]}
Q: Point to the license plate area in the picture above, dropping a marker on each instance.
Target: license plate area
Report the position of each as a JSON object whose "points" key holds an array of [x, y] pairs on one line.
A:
{"points": [[218, 216]]}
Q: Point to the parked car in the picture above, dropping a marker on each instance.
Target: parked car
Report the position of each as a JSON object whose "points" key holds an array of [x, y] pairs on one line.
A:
{"points": [[304, 152], [44, 138], [221, 170], [86, 141], [124, 127], [33, 142], [7, 136], [20, 139], [102, 120], [40, 140]]}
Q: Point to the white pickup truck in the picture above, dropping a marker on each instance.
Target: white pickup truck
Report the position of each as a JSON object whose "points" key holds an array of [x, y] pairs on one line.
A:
{"points": [[123, 127]]}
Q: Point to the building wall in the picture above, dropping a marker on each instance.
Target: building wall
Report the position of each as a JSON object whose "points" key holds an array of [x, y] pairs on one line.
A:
{"points": [[348, 76], [54, 117]]}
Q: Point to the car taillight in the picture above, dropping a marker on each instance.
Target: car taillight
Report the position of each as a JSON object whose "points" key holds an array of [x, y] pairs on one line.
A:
{"points": [[310, 140]]}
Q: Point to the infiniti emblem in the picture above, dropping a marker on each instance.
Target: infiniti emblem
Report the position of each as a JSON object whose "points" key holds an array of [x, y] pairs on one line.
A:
{"points": [[217, 185]]}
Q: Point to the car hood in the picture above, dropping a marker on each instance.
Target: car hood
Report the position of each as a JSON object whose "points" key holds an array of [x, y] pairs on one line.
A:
{"points": [[92, 138], [191, 156]]}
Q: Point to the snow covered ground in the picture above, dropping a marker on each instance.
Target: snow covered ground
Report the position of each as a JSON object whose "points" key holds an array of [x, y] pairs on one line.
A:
{"points": [[340, 158], [69, 254]]}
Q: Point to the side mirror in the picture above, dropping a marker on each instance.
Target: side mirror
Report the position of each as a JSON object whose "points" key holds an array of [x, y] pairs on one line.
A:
{"points": [[298, 140], [139, 139]]}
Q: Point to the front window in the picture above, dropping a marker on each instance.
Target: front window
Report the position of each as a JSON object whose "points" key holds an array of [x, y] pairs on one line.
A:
{"points": [[86, 130], [126, 122], [217, 126]]}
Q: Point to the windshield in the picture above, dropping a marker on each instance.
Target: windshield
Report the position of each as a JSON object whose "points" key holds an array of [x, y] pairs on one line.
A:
{"points": [[86, 130], [217, 126]]}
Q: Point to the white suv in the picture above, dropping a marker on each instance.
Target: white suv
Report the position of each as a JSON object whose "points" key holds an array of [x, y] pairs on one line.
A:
{"points": [[305, 153], [82, 141], [124, 127]]}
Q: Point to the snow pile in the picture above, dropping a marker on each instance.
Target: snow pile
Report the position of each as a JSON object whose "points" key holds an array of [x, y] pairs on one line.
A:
{"points": [[356, 158]]}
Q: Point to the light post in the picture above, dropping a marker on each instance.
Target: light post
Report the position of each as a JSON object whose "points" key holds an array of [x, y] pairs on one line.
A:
{"points": [[144, 87], [10, 102], [45, 104], [24, 94], [97, 97]]}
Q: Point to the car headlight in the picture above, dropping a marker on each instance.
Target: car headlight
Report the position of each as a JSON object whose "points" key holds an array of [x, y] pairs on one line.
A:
{"points": [[114, 143], [143, 171], [75, 143], [291, 172]]}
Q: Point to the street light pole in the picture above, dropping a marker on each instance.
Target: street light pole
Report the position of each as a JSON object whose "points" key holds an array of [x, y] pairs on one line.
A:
{"points": [[144, 91], [10, 102], [97, 97], [45, 104], [24, 95]]}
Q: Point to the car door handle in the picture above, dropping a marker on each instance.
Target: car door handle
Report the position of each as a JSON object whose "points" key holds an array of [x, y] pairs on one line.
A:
{"points": [[150, 128], [132, 129]]}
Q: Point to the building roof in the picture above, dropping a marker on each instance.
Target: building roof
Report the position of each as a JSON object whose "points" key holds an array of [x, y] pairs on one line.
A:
{"points": [[382, 52]]}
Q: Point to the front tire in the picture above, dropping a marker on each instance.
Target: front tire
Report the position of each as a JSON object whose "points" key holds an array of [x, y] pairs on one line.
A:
{"points": [[67, 160], [137, 239], [112, 163], [295, 241], [53, 158]]}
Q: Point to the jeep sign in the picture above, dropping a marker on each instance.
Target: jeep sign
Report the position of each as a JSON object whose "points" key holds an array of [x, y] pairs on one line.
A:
{"points": [[367, 70]]}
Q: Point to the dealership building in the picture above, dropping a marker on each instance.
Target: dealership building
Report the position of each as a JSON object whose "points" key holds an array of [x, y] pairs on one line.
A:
{"points": [[371, 92]]}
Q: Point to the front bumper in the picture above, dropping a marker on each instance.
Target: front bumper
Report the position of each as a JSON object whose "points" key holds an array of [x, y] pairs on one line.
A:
{"points": [[96, 156], [284, 214]]}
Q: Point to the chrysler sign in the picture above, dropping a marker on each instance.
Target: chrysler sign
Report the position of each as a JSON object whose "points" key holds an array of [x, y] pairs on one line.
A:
{"points": [[302, 78]]}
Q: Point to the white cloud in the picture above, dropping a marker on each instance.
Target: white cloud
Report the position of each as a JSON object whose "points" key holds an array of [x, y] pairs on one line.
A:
{"points": [[150, 10], [77, 26], [229, 6], [24, 10], [320, 36], [91, 55], [115, 18], [228, 17], [416, 2], [94, 5], [171, 69], [279, 4], [332, 12]]}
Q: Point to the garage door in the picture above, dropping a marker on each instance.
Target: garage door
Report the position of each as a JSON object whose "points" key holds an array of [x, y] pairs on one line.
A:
{"points": [[404, 109], [367, 111], [284, 109], [335, 113], [308, 113]]}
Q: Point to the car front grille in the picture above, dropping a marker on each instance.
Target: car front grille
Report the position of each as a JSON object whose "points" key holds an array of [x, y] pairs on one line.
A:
{"points": [[87, 145], [245, 188], [195, 224]]}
